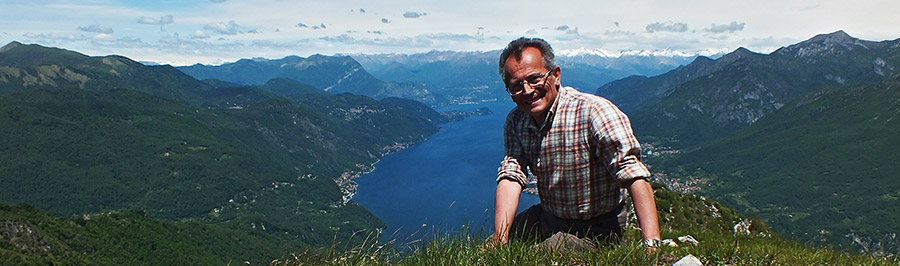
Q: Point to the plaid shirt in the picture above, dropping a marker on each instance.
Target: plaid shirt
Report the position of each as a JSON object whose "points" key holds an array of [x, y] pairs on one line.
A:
{"points": [[583, 154]]}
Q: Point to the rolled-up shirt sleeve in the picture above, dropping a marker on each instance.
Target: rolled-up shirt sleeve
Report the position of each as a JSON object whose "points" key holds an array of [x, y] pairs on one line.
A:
{"points": [[621, 151], [513, 165], [510, 169]]}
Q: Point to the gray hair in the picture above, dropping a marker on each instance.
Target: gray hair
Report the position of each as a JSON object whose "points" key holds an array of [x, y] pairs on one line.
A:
{"points": [[515, 47]]}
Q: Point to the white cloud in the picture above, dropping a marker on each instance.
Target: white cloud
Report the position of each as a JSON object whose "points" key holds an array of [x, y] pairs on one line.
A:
{"points": [[730, 28], [127, 42], [567, 29], [321, 26], [410, 14], [422, 42], [51, 37], [231, 28], [175, 40], [199, 34], [163, 20], [103, 37], [667, 26], [96, 28], [618, 25]]}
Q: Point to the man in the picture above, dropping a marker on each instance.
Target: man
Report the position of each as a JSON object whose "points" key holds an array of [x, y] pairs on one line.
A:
{"points": [[580, 147]]}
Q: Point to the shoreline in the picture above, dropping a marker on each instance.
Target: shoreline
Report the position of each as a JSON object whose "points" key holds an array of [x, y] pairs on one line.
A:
{"points": [[346, 181]]}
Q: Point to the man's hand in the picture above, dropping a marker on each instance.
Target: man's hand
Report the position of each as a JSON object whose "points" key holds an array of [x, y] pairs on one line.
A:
{"points": [[493, 241], [645, 207], [505, 205]]}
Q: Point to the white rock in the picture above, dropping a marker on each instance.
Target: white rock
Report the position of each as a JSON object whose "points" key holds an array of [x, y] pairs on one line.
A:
{"points": [[688, 239], [742, 228], [688, 260]]}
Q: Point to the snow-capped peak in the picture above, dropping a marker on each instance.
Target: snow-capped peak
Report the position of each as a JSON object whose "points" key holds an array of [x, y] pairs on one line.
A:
{"points": [[661, 53]]}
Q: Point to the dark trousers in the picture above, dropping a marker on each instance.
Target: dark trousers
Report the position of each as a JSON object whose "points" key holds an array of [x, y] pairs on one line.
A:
{"points": [[535, 223]]}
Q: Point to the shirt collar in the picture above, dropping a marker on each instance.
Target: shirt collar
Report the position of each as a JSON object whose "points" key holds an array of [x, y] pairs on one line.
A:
{"points": [[548, 121]]}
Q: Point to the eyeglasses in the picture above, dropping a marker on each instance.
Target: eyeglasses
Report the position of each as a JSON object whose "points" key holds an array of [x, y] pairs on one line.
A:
{"points": [[516, 89]]}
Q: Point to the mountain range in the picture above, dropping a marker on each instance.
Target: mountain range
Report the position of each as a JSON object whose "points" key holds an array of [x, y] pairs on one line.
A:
{"points": [[433, 78], [805, 136], [334, 74], [709, 99], [87, 136], [707, 110], [472, 76], [822, 168]]}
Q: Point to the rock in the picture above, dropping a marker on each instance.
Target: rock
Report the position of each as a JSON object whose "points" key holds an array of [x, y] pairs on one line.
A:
{"points": [[688, 260], [742, 228], [688, 239], [564, 242]]}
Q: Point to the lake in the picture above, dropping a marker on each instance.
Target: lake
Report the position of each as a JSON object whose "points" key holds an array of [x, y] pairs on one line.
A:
{"points": [[443, 183]]}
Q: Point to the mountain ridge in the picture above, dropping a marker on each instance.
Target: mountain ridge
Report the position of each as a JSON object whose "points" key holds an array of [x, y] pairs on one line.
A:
{"points": [[334, 74], [814, 168], [741, 87], [294, 130], [35, 66], [460, 77], [124, 136]]}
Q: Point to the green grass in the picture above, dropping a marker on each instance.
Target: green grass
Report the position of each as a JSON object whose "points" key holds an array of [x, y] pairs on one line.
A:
{"points": [[714, 248], [117, 238], [708, 221]]}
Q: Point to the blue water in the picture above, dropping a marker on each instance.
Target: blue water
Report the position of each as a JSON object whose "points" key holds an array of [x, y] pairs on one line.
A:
{"points": [[442, 183]]}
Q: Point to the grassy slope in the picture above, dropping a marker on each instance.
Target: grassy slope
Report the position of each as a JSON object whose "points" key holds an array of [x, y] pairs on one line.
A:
{"points": [[718, 245]]}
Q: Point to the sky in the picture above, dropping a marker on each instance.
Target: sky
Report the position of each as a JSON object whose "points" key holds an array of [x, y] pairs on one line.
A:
{"points": [[185, 32]]}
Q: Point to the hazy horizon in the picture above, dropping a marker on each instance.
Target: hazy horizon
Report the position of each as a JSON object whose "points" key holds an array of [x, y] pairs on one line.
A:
{"points": [[220, 31]]}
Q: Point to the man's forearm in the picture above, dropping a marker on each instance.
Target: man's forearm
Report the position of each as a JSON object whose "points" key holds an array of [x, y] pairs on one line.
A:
{"points": [[505, 204], [645, 207]]}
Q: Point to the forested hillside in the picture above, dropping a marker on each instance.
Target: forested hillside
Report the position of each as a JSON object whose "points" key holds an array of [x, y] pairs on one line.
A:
{"points": [[710, 99], [95, 136], [801, 136], [822, 168]]}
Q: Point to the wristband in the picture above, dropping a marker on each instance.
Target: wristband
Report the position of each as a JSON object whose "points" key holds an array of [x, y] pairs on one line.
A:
{"points": [[653, 243]]}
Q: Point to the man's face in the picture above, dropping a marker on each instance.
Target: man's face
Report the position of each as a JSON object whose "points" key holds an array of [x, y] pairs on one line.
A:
{"points": [[533, 100]]}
